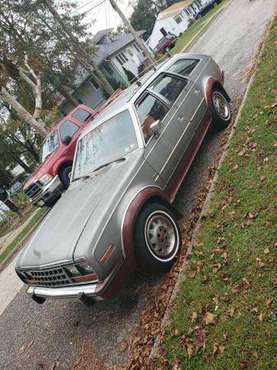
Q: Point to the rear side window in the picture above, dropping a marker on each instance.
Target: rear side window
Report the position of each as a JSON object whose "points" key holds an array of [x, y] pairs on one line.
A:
{"points": [[68, 128], [184, 67], [169, 87], [81, 115], [150, 110]]}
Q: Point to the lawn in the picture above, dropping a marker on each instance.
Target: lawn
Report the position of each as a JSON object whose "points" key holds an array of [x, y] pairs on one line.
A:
{"points": [[225, 313], [200, 25], [34, 221]]}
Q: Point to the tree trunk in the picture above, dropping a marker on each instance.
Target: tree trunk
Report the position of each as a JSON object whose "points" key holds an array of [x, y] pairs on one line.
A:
{"points": [[23, 113]]}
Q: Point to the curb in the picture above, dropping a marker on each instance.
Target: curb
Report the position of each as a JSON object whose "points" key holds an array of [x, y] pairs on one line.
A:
{"points": [[202, 29], [166, 318]]}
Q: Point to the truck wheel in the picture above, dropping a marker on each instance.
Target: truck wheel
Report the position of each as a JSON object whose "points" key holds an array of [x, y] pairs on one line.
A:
{"points": [[65, 176], [221, 110], [157, 238]]}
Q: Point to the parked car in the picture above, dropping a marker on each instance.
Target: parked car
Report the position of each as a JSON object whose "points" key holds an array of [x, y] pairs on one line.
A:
{"points": [[205, 9], [165, 44], [52, 177], [129, 164]]}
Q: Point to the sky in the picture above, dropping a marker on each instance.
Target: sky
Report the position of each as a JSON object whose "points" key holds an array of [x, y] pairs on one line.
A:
{"points": [[103, 16]]}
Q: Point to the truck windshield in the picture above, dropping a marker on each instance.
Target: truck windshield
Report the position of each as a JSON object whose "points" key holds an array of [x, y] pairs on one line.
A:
{"points": [[110, 141], [50, 145]]}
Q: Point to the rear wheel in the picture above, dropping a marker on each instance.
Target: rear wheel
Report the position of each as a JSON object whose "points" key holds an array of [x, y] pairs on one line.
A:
{"points": [[157, 238], [65, 174], [221, 110]]}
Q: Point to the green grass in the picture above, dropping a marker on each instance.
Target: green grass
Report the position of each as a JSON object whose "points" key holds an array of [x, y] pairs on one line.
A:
{"points": [[234, 262], [23, 234], [200, 24]]}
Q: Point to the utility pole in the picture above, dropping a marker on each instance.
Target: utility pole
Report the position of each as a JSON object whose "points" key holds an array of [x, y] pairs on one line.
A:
{"points": [[91, 66], [133, 32]]}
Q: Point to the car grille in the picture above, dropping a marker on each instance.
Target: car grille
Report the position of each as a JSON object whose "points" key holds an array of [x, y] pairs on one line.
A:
{"points": [[54, 277], [34, 190]]}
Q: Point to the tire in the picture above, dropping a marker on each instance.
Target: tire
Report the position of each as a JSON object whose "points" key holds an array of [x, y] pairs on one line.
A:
{"points": [[65, 176], [155, 224], [221, 110]]}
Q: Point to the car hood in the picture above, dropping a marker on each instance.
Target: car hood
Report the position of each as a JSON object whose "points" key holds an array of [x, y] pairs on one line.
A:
{"points": [[58, 235]]}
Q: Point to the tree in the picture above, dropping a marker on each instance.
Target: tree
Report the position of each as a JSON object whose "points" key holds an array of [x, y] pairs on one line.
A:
{"points": [[144, 16], [54, 46]]}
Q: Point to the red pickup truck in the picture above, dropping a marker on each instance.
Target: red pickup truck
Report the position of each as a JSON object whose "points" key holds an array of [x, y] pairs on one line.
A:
{"points": [[52, 177]]}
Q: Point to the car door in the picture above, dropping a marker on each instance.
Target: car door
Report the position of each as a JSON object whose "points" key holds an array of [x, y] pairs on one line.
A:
{"points": [[160, 150]]}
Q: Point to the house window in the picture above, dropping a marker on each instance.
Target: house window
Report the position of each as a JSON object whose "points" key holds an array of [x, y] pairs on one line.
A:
{"points": [[122, 59], [137, 47], [178, 19]]}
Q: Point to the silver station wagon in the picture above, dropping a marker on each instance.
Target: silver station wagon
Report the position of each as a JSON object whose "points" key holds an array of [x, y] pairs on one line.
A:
{"points": [[117, 214]]}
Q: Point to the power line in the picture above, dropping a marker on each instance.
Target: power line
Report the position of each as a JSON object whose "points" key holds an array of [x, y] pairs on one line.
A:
{"points": [[94, 7]]}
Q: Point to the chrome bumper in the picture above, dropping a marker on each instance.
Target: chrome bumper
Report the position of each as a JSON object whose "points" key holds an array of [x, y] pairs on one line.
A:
{"points": [[67, 292], [47, 191]]}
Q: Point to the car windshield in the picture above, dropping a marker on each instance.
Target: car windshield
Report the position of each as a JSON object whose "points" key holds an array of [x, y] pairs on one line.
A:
{"points": [[112, 140], [50, 145]]}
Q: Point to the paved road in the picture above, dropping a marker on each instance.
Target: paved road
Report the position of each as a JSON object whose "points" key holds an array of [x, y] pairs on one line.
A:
{"points": [[58, 333]]}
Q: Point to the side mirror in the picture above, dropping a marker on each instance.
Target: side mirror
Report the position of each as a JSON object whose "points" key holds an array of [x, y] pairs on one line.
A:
{"points": [[154, 127], [67, 140]]}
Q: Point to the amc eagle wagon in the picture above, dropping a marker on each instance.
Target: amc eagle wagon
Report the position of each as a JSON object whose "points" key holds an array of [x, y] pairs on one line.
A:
{"points": [[117, 214]]}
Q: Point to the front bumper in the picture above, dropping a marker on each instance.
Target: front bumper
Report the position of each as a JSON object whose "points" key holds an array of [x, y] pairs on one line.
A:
{"points": [[99, 291], [47, 193]]}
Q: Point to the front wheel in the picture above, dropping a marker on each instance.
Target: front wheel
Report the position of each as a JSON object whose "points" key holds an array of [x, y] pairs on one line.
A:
{"points": [[221, 110], [157, 238]]}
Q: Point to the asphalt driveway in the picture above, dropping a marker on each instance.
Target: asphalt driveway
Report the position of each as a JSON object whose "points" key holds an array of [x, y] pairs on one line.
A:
{"points": [[59, 333]]}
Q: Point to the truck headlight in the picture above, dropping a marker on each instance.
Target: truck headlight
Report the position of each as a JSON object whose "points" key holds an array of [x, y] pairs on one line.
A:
{"points": [[45, 179]]}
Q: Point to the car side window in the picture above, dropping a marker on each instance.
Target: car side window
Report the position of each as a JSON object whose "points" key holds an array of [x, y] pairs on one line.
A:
{"points": [[68, 128], [81, 115], [169, 87], [183, 67], [149, 110]]}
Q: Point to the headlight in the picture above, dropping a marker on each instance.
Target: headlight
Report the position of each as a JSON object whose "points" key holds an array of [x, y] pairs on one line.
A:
{"points": [[45, 179], [84, 266]]}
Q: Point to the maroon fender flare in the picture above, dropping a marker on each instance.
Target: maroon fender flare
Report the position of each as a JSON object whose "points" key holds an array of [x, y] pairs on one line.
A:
{"points": [[211, 84], [129, 221]]}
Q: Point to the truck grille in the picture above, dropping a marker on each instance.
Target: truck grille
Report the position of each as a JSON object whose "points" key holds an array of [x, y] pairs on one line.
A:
{"points": [[34, 190], [54, 277]]}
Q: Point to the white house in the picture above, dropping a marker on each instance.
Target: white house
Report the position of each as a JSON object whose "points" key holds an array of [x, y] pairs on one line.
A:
{"points": [[115, 55], [175, 20]]}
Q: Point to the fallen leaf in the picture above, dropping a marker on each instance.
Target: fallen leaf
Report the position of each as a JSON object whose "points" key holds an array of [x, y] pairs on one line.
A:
{"points": [[269, 303], [221, 349], [194, 316], [190, 350], [231, 312], [192, 274], [200, 340], [266, 251], [209, 318], [176, 333], [261, 317], [236, 289]]}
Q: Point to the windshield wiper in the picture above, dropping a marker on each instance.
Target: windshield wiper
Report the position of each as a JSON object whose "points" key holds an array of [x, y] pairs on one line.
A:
{"points": [[108, 164], [86, 177]]}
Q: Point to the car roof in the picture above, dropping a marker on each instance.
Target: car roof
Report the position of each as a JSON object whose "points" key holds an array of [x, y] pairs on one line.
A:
{"points": [[133, 92]]}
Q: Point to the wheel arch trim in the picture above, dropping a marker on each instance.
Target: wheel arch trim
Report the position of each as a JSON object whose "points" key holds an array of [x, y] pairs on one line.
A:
{"points": [[135, 205], [210, 84]]}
